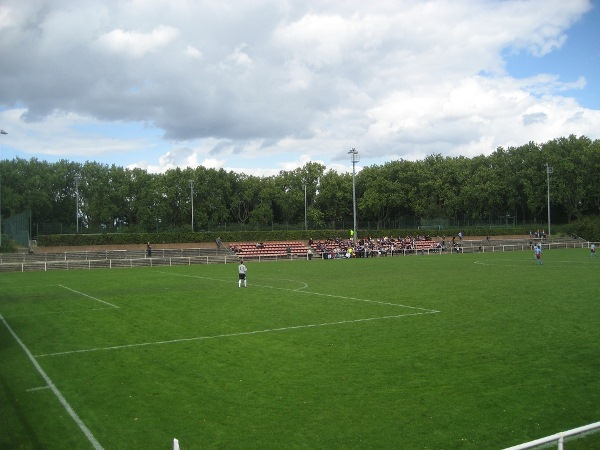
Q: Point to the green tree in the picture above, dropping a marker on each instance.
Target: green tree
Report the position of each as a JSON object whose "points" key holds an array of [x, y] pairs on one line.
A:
{"points": [[246, 197], [335, 198], [569, 158]]}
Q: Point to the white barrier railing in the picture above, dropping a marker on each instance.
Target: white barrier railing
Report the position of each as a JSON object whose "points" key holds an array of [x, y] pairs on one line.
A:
{"points": [[45, 266], [118, 258], [559, 438]]}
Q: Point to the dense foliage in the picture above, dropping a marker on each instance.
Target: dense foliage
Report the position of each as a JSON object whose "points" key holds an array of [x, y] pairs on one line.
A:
{"points": [[509, 186]]}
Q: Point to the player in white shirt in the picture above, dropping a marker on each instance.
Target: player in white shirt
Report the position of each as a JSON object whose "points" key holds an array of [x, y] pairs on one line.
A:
{"points": [[538, 253], [242, 269]]}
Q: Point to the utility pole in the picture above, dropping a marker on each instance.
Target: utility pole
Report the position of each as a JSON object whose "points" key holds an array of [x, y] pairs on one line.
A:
{"points": [[354, 158], [77, 179], [192, 197], [549, 170], [2, 132]]}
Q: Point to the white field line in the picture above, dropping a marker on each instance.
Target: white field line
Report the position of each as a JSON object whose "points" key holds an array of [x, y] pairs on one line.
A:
{"points": [[88, 296], [241, 333], [311, 293], [57, 393], [422, 311], [530, 262], [62, 311], [38, 388]]}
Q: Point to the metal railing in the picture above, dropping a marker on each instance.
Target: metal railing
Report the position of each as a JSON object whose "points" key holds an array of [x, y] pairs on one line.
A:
{"points": [[559, 438]]}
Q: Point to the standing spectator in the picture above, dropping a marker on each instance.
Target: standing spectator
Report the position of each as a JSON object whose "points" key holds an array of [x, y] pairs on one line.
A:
{"points": [[148, 250], [219, 243], [593, 250]]}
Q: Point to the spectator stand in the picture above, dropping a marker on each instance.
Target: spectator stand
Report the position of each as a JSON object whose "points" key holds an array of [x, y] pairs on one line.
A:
{"points": [[270, 250]]}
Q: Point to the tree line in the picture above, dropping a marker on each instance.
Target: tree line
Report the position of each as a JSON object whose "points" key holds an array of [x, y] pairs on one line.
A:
{"points": [[510, 185]]}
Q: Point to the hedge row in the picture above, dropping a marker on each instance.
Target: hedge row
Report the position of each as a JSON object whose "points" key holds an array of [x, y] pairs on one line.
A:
{"points": [[588, 228], [60, 240]]}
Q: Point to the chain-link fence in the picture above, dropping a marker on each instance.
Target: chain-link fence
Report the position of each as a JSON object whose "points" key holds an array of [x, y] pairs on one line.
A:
{"points": [[17, 228]]}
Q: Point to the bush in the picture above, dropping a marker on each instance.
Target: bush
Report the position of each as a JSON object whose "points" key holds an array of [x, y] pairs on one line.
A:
{"points": [[8, 246], [588, 228]]}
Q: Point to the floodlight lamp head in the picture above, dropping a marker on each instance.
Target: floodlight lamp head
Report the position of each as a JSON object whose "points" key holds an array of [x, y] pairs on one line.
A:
{"points": [[354, 158]]}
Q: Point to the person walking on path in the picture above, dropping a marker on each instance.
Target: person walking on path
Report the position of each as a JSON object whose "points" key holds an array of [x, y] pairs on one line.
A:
{"points": [[242, 269]]}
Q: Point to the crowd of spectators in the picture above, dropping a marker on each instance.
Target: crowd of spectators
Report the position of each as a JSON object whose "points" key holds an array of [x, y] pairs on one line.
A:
{"points": [[538, 234], [372, 247], [333, 248]]}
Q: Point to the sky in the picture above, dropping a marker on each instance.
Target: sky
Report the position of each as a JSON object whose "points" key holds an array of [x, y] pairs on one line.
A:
{"points": [[261, 86]]}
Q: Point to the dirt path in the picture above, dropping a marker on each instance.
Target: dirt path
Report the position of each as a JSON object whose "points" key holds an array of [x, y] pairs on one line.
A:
{"points": [[142, 247]]}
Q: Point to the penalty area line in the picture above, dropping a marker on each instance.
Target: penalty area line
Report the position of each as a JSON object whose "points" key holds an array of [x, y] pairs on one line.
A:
{"points": [[50, 384], [241, 333], [301, 291], [88, 296]]}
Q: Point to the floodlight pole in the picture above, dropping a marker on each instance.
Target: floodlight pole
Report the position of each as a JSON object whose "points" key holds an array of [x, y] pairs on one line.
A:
{"points": [[354, 158], [2, 132], [192, 197], [77, 179], [305, 219], [549, 170]]}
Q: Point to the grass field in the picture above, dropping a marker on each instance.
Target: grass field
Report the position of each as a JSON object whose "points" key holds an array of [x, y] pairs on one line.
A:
{"points": [[473, 351]]}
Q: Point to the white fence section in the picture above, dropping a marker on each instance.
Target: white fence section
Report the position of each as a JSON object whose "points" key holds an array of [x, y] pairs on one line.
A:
{"points": [[559, 438]]}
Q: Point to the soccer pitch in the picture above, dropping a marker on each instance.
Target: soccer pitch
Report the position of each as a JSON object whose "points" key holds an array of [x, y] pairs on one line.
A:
{"points": [[464, 351]]}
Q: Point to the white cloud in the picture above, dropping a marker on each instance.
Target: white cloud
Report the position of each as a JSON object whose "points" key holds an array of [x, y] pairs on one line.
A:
{"points": [[138, 44], [254, 84], [240, 57], [71, 133], [213, 163], [193, 52]]}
